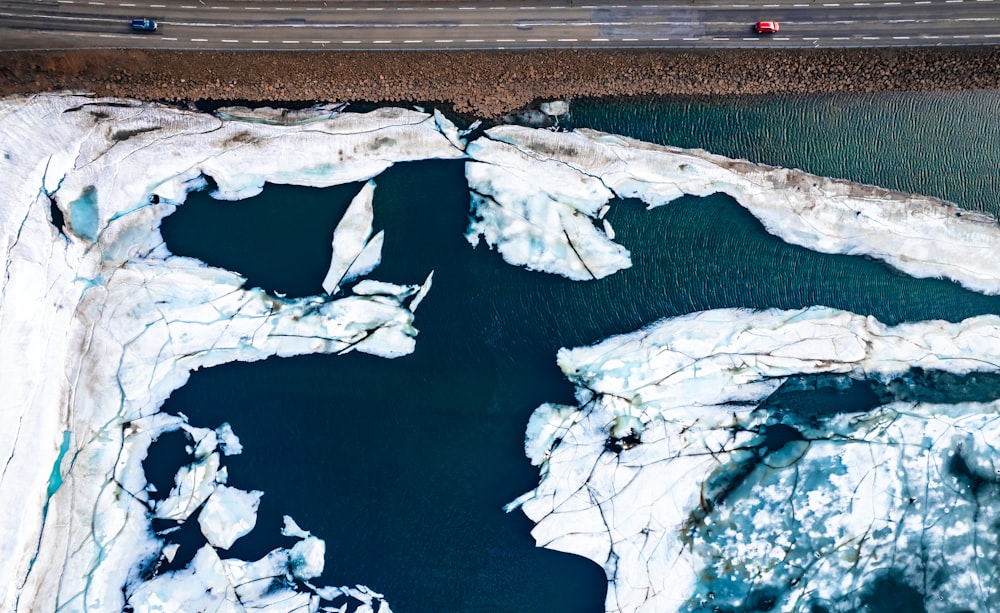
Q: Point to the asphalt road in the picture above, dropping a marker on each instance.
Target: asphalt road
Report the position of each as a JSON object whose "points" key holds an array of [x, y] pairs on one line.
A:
{"points": [[502, 24]]}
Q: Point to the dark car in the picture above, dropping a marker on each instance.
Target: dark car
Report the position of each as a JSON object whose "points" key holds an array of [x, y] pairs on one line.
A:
{"points": [[144, 25]]}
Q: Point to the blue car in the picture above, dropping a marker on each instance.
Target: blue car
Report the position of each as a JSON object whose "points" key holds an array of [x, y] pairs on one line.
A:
{"points": [[144, 25]]}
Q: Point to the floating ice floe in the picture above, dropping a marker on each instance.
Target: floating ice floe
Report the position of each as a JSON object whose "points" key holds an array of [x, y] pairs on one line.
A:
{"points": [[225, 514], [554, 107], [354, 255], [228, 514], [100, 322], [211, 583], [538, 196], [229, 443], [694, 496]]}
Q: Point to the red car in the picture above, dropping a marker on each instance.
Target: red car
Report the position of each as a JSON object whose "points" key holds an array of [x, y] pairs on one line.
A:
{"points": [[766, 27]]}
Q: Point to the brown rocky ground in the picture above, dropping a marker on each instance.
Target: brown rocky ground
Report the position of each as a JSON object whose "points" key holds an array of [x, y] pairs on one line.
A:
{"points": [[488, 84]]}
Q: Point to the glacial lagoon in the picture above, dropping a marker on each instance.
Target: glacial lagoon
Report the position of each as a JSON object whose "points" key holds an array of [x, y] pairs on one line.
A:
{"points": [[403, 466], [428, 475]]}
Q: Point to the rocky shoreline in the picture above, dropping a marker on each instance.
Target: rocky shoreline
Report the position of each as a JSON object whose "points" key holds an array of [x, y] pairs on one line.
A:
{"points": [[489, 84]]}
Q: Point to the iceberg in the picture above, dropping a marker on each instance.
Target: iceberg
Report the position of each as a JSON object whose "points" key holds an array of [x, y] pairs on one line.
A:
{"points": [[694, 495], [538, 197], [101, 323]]}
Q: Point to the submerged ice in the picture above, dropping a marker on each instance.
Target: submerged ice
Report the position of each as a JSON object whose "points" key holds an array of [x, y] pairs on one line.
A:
{"points": [[672, 472]]}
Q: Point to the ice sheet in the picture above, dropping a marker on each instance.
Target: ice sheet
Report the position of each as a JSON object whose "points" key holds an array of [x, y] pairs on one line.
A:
{"points": [[538, 197], [100, 322], [669, 476]]}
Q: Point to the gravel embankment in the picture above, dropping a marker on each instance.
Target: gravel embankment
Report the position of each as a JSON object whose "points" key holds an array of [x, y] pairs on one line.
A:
{"points": [[489, 84]]}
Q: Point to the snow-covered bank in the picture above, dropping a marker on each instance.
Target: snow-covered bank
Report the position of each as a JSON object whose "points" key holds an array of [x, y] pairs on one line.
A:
{"points": [[100, 322], [690, 497], [540, 197]]}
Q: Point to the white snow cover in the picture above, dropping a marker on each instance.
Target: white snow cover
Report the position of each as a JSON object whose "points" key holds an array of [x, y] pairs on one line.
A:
{"points": [[538, 197], [99, 322], [665, 474]]}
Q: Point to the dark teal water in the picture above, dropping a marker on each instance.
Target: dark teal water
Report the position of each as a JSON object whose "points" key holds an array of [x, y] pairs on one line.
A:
{"points": [[403, 465], [943, 144]]}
